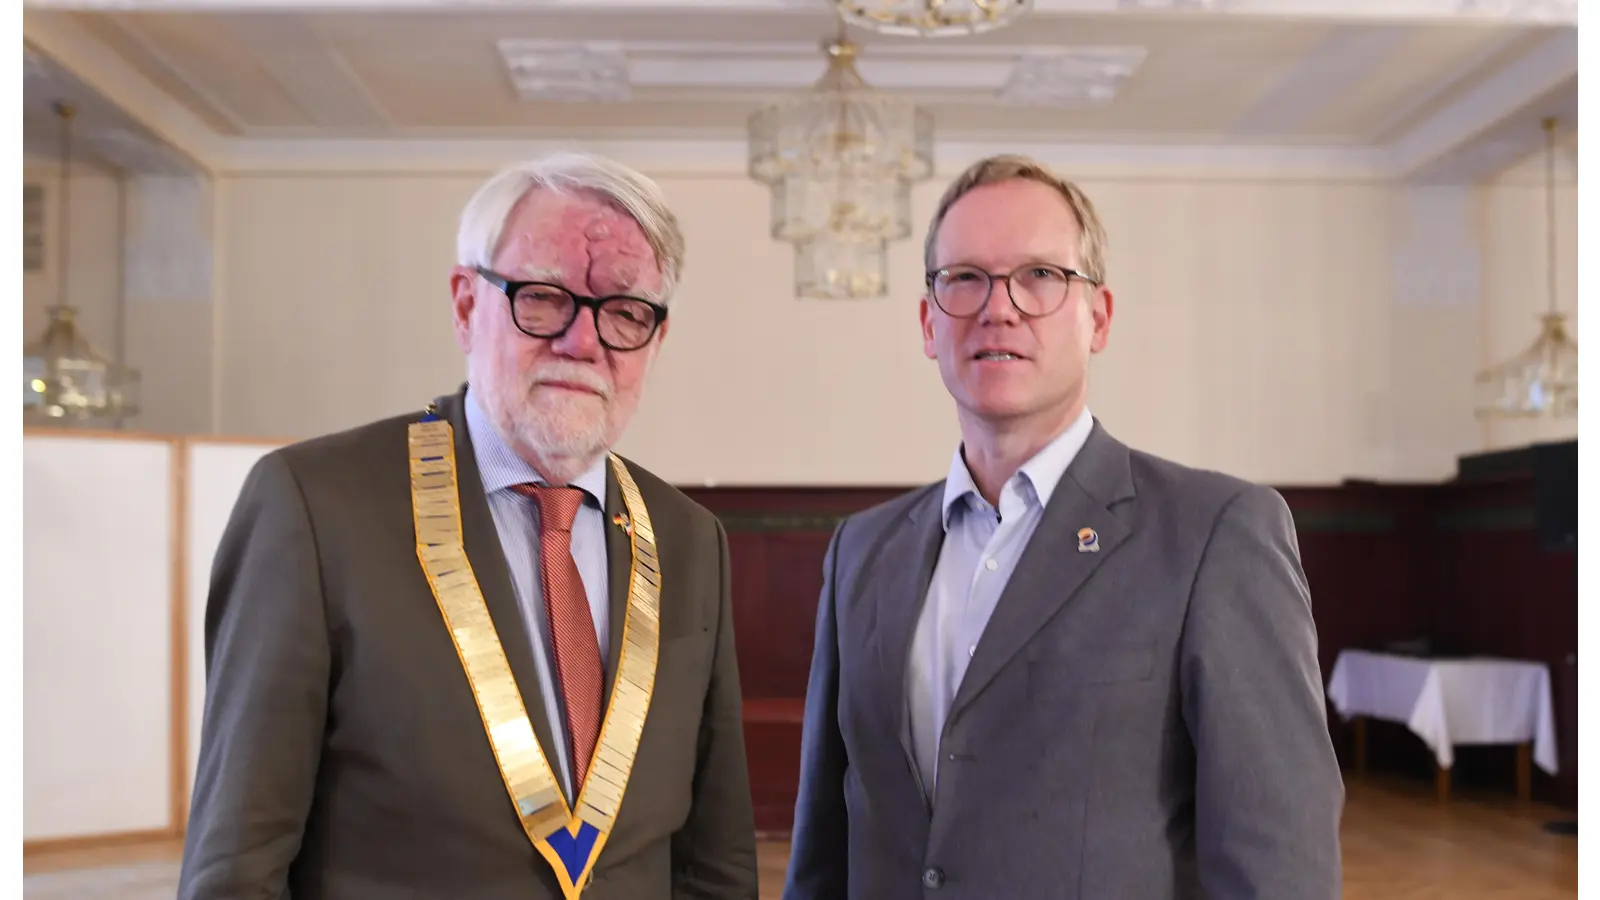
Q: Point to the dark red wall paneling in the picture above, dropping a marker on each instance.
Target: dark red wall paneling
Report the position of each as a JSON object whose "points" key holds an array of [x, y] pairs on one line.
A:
{"points": [[1457, 563]]}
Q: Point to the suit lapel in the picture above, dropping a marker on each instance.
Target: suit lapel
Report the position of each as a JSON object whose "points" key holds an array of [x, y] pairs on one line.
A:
{"points": [[905, 569], [482, 542], [1052, 569], [619, 568]]}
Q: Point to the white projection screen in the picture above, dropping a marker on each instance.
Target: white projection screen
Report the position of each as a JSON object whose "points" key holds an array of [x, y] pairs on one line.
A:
{"points": [[216, 472], [100, 560]]}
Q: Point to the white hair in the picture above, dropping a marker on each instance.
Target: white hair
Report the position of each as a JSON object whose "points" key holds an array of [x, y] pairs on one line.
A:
{"points": [[485, 215]]}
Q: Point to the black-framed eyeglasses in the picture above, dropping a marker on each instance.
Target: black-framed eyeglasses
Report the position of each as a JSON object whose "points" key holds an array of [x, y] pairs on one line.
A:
{"points": [[1036, 289], [545, 310]]}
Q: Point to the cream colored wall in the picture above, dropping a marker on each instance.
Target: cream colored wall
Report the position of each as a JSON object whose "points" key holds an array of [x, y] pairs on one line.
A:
{"points": [[93, 252], [1258, 328], [171, 301], [1512, 216], [1246, 336], [120, 283]]}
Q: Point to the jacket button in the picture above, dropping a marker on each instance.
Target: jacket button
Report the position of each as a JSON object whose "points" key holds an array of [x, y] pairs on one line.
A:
{"points": [[933, 878]]}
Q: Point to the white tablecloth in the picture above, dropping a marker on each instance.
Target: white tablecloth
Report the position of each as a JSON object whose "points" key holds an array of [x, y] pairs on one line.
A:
{"points": [[1451, 702]]}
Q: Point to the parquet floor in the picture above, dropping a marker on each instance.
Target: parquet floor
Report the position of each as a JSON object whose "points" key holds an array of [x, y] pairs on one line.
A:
{"points": [[1400, 843]]}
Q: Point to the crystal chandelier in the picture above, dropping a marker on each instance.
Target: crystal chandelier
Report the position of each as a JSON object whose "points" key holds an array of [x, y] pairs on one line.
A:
{"points": [[840, 161], [1542, 380], [63, 379], [932, 18], [840, 267]]}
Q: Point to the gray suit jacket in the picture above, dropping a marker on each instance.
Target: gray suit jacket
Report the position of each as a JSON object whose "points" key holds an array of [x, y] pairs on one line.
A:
{"points": [[1146, 721], [343, 755]]}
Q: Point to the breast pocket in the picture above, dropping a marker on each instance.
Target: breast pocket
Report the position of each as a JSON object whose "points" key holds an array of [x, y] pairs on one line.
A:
{"points": [[1086, 703], [1058, 670]]}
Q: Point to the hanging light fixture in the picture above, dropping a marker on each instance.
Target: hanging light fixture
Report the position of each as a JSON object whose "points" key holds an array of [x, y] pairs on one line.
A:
{"points": [[840, 267], [840, 161], [932, 18], [1542, 380], [64, 381]]}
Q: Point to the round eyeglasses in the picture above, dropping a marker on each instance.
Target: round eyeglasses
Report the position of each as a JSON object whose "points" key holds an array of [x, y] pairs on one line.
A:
{"points": [[544, 310], [1036, 289]]}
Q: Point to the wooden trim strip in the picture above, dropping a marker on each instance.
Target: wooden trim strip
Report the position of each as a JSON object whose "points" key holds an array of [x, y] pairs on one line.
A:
{"points": [[97, 841], [229, 440], [100, 434], [46, 431], [179, 745]]}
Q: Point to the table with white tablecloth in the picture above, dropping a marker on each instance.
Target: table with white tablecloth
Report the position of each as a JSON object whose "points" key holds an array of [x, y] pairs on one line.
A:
{"points": [[1451, 702]]}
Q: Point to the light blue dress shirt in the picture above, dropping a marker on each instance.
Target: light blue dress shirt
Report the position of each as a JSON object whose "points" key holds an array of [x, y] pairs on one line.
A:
{"points": [[516, 518], [980, 549]]}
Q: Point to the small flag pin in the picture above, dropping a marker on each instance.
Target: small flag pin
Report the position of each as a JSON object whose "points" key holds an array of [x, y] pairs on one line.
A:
{"points": [[621, 521], [1088, 541]]}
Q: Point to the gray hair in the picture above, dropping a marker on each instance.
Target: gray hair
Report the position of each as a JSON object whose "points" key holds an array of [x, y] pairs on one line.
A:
{"points": [[485, 215]]}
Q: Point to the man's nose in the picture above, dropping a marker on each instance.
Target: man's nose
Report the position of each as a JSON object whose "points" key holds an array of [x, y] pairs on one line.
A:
{"points": [[581, 340], [997, 307]]}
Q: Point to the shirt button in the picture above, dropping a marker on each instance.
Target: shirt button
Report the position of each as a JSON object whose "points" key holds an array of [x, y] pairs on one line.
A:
{"points": [[933, 878], [990, 564]]}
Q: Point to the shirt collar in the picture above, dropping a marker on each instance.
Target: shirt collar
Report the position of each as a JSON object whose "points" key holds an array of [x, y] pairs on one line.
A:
{"points": [[1042, 472], [502, 469]]}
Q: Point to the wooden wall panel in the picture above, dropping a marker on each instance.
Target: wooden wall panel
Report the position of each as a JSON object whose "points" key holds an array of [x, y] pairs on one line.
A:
{"points": [[1359, 547], [1457, 564], [772, 743], [1501, 594], [778, 538]]}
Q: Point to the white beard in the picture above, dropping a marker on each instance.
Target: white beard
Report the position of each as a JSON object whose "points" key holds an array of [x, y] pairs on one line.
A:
{"points": [[560, 432], [565, 429]]}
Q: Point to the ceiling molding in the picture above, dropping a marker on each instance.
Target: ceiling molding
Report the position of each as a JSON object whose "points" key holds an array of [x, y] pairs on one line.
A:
{"points": [[1530, 11], [728, 157], [1543, 70], [1071, 76], [102, 136], [1344, 58], [1406, 113], [103, 71], [1018, 75], [567, 71], [1463, 138], [320, 82], [1512, 141]]}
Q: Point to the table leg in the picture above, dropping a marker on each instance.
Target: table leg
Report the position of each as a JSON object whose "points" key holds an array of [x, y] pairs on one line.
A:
{"points": [[1442, 782], [1360, 725], [1525, 772]]}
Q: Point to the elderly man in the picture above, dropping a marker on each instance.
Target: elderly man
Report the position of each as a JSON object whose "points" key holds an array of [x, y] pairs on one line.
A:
{"points": [[1069, 669], [470, 652]]}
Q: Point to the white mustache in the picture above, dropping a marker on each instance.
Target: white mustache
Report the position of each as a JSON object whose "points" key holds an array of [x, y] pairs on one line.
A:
{"points": [[572, 374]]}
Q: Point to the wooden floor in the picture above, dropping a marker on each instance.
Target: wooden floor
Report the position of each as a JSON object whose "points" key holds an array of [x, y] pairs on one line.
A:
{"points": [[1400, 843]]}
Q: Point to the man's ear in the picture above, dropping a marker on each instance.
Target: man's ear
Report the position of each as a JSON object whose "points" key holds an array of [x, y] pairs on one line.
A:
{"points": [[1100, 309], [925, 312], [463, 299]]}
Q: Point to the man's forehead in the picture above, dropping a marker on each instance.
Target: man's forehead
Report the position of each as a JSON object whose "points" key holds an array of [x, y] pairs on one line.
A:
{"points": [[991, 233], [1054, 248], [613, 276], [544, 209]]}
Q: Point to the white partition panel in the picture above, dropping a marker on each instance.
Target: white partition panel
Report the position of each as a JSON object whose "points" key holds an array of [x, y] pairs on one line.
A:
{"points": [[216, 472], [98, 518]]}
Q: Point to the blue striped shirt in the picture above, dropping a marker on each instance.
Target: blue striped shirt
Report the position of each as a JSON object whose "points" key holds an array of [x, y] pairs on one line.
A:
{"points": [[981, 547], [516, 518]]}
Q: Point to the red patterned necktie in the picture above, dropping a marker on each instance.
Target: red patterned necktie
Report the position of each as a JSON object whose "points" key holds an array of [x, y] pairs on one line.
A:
{"points": [[572, 633]]}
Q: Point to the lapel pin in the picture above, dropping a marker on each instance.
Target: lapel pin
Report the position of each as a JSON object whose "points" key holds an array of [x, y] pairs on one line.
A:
{"points": [[621, 521], [1088, 541]]}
